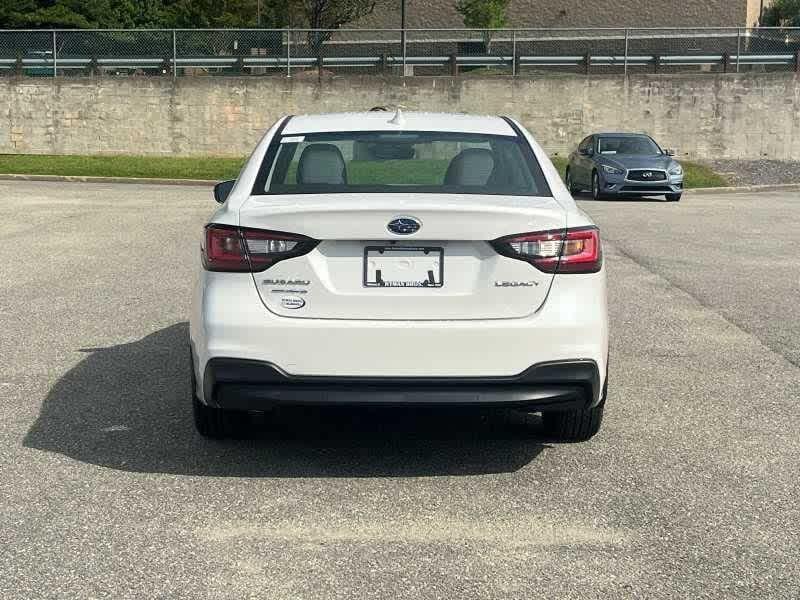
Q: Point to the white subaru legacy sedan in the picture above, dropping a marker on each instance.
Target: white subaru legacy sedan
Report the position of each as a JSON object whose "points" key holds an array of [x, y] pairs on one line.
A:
{"points": [[384, 258]]}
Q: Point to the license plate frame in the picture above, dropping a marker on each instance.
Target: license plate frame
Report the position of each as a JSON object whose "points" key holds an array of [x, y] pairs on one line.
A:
{"points": [[377, 281]]}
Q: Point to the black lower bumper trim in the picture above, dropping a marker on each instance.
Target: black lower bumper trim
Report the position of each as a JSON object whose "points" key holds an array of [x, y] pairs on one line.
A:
{"points": [[254, 385], [653, 190]]}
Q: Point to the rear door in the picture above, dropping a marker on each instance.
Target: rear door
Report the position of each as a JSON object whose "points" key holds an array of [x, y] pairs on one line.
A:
{"points": [[361, 269], [583, 162]]}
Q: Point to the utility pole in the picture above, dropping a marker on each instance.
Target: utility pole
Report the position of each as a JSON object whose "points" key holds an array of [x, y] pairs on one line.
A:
{"points": [[403, 33]]}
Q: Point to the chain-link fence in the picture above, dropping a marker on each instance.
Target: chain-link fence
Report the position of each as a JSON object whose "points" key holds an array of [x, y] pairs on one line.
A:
{"points": [[410, 52]]}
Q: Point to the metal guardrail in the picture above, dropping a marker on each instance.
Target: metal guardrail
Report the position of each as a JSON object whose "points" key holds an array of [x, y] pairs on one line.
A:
{"points": [[392, 51]]}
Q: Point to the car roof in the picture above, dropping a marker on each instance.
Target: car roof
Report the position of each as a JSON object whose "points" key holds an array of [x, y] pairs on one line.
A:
{"points": [[410, 121]]}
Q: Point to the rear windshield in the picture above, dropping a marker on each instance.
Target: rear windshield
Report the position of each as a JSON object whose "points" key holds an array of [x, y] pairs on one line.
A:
{"points": [[378, 161]]}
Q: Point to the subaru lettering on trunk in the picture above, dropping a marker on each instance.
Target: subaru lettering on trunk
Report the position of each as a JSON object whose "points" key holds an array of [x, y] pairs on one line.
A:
{"points": [[420, 259]]}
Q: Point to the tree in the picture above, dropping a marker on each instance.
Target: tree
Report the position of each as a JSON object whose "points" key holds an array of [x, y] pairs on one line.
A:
{"points": [[245, 13], [69, 14], [329, 14], [234, 14], [13, 13], [332, 14], [484, 14], [83, 14], [782, 13]]}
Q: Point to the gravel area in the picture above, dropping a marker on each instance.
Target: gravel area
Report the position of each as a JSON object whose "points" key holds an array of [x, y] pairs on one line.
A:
{"points": [[757, 172]]}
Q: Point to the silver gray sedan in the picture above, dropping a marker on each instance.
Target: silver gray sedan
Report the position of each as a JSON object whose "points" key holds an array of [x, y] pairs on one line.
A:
{"points": [[624, 164]]}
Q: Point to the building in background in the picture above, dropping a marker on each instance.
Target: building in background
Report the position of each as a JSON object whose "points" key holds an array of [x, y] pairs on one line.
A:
{"points": [[576, 13]]}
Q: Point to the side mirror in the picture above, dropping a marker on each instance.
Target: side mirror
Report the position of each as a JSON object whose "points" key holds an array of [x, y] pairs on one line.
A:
{"points": [[669, 152], [223, 189]]}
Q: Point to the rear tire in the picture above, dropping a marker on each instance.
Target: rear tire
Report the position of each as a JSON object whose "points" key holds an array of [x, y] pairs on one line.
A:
{"points": [[217, 423], [211, 422], [577, 425], [573, 425], [673, 197], [570, 184]]}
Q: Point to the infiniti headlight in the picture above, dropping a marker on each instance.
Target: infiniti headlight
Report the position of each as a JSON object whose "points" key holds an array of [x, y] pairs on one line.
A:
{"points": [[676, 170], [612, 170]]}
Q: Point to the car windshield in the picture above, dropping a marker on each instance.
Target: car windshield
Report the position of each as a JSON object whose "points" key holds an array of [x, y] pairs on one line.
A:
{"points": [[379, 161], [627, 145]]}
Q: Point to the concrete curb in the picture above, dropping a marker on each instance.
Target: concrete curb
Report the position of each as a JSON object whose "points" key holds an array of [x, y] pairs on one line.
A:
{"points": [[746, 188], [89, 179], [209, 183]]}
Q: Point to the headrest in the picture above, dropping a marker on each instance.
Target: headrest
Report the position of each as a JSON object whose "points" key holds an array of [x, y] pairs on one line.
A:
{"points": [[321, 164], [470, 167]]}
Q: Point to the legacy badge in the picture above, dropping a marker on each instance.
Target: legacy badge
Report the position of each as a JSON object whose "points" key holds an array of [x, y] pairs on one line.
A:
{"points": [[515, 283]]}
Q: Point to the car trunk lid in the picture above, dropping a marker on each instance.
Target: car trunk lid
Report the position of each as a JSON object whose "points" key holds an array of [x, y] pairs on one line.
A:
{"points": [[446, 270]]}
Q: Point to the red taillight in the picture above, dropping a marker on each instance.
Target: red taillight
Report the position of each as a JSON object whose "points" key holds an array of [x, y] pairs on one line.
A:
{"points": [[575, 250], [240, 249], [224, 250]]}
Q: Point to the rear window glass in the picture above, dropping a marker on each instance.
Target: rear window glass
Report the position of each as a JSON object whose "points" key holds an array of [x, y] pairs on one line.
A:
{"points": [[432, 162]]}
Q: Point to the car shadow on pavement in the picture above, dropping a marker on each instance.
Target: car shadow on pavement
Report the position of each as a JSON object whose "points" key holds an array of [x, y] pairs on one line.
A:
{"points": [[128, 407], [587, 197]]}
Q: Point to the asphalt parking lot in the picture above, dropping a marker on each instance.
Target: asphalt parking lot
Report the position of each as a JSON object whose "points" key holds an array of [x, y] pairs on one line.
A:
{"points": [[690, 489]]}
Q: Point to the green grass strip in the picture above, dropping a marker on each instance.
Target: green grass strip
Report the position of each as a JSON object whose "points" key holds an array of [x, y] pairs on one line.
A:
{"points": [[168, 167], [424, 172]]}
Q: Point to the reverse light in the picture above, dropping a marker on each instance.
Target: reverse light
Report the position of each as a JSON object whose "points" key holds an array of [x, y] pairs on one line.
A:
{"points": [[575, 250], [240, 249]]}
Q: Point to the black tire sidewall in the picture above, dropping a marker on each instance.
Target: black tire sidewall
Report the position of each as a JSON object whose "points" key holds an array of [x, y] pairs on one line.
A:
{"points": [[596, 186]]}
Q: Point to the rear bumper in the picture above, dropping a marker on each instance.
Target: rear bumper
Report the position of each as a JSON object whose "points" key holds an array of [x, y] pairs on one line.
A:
{"points": [[254, 385], [230, 321], [246, 357]]}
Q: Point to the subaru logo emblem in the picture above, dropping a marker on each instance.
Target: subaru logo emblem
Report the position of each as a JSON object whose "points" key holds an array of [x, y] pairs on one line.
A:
{"points": [[404, 225]]}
